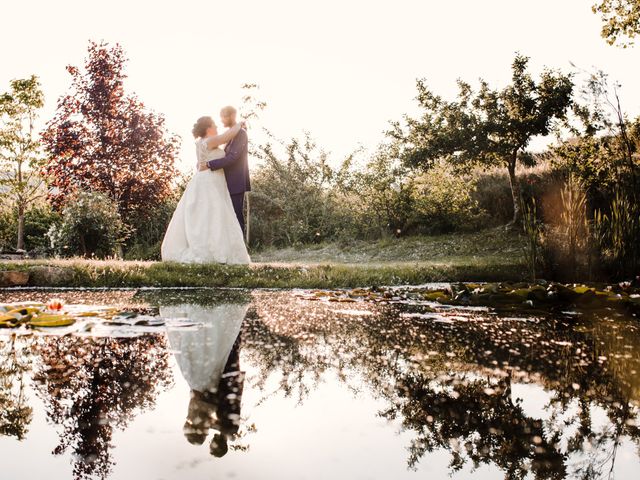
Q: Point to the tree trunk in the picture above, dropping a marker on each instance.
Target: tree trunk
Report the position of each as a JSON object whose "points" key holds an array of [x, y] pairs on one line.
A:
{"points": [[515, 190], [20, 244]]}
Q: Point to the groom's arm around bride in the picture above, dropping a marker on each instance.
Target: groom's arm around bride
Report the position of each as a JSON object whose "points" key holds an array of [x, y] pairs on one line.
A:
{"points": [[234, 152]]}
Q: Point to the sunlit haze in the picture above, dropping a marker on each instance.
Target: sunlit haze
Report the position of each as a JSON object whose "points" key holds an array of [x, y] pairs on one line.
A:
{"points": [[339, 69]]}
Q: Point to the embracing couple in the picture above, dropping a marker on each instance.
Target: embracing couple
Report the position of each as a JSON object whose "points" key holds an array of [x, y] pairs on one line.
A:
{"points": [[208, 223]]}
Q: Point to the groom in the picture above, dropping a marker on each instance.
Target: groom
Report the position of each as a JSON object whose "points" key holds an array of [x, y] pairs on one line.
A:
{"points": [[235, 164]]}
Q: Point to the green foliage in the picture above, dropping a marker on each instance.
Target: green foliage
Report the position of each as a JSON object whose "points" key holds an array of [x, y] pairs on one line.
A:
{"points": [[90, 226], [532, 230], [378, 195], [299, 198], [608, 166], [621, 20], [603, 151], [443, 202], [148, 231], [20, 151], [488, 127], [294, 199], [8, 229], [619, 235], [37, 222]]}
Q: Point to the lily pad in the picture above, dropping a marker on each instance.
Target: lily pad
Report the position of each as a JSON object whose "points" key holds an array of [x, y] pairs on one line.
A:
{"points": [[52, 321]]}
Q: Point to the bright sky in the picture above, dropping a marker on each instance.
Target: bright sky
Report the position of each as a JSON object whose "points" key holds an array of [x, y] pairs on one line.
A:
{"points": [[340, 69]]}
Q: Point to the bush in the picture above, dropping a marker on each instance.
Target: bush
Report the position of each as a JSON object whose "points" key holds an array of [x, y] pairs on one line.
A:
{"points": [[37, 222], [90, 226], [148, 231], [8, 230], [381, 195], [294, 199], [442, 202], [492, 192]]}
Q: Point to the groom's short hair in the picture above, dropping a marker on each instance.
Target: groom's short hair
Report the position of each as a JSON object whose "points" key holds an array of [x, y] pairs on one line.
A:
{"points": [[228, 110]]}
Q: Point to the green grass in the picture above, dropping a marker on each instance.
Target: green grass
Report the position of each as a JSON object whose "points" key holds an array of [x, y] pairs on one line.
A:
{"points": [[491, 246], [493, 255]]}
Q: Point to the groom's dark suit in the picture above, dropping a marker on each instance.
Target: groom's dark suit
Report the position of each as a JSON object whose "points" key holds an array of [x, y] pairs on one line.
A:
{"points": [[236, 169]]}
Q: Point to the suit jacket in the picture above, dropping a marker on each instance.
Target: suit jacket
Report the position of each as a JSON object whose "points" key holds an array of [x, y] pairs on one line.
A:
{"points": [[235, 164]]}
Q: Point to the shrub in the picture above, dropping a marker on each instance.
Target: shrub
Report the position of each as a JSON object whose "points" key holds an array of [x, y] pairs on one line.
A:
{"points": [[567, 246], [294, 199], [37, 223], [442, 202], [90, 226], [8, 230], [493, 193], [147, 231]]}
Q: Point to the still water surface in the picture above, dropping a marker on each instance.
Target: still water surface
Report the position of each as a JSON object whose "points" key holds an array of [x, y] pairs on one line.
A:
{"points": [[286, 385]]}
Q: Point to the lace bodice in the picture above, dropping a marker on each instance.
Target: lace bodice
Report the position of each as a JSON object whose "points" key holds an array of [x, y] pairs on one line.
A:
{"points": [[203, 154]]}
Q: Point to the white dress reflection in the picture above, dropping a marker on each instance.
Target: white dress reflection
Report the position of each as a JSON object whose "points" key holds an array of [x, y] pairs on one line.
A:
{"points": [[209, 358]]}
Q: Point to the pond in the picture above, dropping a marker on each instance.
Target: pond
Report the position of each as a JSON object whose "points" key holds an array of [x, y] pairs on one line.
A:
{"points": [[204, 384]]}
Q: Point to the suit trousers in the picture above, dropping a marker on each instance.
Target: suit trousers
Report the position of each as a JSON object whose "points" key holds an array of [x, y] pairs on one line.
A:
{"points": [[238, 206]]}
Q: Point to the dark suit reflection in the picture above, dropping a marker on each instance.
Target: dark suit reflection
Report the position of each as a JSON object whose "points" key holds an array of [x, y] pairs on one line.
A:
{"points": [[219, 408]]}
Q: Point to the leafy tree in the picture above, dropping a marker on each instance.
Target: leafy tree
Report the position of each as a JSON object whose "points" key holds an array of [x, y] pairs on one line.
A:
{"points": [[102, 139], [20, 154], [621, 19], [488, 127], [603, 151]]}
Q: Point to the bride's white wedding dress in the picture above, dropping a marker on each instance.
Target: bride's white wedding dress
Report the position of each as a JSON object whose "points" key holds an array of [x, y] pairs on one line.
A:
{"points": [[202, 352], [204, 227]]}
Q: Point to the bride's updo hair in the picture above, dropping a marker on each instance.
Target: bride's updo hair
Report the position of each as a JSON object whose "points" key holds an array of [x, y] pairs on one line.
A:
{"points": [[200, 127]]}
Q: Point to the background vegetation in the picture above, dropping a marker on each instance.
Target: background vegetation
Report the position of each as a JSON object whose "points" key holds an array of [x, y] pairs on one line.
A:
{"points": [[100, 181]]}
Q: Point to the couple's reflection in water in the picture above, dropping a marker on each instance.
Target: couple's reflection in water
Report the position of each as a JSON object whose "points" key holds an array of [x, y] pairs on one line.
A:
{"points": [[455, 387], [209, 358]]}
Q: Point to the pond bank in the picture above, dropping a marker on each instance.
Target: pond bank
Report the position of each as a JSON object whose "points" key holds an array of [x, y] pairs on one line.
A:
{"points": [[117, 273]]}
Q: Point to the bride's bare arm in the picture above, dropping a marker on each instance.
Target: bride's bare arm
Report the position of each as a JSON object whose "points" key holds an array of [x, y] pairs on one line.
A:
{"points": [[226, 137]]}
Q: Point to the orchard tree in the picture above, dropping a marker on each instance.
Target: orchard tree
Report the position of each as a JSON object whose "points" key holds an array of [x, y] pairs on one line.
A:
{"points": [[105, 140], [621, 20], [20, 152], [489, 128]]}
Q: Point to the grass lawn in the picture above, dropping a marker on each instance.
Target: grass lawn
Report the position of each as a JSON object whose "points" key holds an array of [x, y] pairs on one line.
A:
{"points": [[491, 255]]}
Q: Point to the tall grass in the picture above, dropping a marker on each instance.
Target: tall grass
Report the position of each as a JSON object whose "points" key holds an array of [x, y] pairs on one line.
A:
{"points": [[532, 230], [619, 235]]}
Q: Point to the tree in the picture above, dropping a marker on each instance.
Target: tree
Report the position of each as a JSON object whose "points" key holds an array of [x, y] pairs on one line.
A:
{"points": [[621, 19], [103, 139], [491, 128], [20, 153]]}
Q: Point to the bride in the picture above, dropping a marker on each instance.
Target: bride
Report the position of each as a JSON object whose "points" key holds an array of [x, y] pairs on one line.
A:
{"points": [[204, 227]]}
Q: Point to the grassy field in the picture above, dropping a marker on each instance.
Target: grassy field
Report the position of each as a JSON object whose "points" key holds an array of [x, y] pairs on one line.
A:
{"points": [[493, 255], [490, 247]]}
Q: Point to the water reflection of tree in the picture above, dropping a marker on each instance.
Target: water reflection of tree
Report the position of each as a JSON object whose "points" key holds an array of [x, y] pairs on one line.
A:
{"points": [[449, 383], [92, 385], [15, 363], [476, 419]]}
